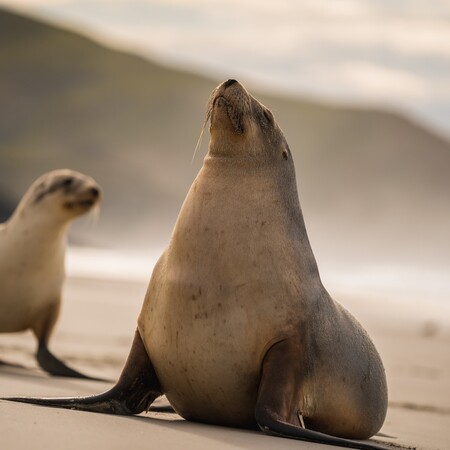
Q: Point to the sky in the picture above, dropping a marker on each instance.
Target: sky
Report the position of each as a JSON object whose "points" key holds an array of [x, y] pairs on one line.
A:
{"points": [[388, 53]]}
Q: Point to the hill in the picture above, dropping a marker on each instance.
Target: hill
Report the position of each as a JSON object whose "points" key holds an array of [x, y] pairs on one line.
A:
{"points": [[373, 185]]}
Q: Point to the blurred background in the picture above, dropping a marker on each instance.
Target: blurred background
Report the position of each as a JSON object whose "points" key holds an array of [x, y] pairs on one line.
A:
{"points": [[118, 89]]}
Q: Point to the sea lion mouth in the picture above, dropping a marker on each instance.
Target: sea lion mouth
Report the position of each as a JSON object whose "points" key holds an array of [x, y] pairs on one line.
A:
{"points": [[232, 99], [85, 203], [233, 111]]}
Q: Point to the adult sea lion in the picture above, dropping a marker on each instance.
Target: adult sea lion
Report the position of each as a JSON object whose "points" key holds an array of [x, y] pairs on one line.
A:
{"points": [[236, 328], [32, 248]]}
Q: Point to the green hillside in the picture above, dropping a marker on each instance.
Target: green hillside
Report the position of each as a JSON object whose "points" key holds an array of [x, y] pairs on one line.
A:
{"points": [[371, 182]]}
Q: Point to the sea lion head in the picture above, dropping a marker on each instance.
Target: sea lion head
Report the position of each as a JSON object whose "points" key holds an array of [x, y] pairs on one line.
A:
{"points": [[64, 193], [242, 127]]}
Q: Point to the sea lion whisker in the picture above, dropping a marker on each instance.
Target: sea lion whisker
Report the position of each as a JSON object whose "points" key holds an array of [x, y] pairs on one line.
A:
{"points": [[199, 140]]}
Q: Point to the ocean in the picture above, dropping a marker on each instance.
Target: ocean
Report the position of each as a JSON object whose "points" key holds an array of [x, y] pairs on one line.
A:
{"points": [[409, 293]]}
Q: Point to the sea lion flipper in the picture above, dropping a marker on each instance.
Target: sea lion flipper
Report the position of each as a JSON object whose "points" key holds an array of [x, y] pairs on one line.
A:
{"points": [[42, 329], [137, 388], [54, 366], [279, 404]]}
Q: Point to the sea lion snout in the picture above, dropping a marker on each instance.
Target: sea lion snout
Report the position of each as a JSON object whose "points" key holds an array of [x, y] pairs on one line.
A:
{"points": [[229, 82], [233, 92], [89, 189], [95, 192], [229, 108], [87, 194]]}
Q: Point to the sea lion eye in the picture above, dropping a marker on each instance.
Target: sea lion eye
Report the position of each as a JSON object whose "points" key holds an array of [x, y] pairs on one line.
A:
{"points": [[67, 182], [285, 154]]}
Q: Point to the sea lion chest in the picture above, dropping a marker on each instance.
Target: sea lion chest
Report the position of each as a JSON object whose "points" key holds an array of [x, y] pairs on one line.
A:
{"points": [[32, 273], [224, 291], [207, 340]]}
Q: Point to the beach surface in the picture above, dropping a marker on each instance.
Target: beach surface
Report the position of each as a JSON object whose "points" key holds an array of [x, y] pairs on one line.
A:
{"points": [[94, 335]]}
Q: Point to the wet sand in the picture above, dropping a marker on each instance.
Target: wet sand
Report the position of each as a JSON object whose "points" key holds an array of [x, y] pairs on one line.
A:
{"points": [[94, 335]]}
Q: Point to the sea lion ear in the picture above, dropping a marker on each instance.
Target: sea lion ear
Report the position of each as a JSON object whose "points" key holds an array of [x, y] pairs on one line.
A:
{"points": [[286, 151], [269, 116]]}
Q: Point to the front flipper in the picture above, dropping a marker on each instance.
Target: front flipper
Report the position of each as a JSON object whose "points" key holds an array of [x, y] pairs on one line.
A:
{"points": [[42, 328], [279, 403], [54, 366], [137, 388]]}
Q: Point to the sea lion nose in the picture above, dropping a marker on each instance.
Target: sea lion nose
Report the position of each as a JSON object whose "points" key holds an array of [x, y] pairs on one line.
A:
{"points": [[229, 83], [94, 192]]}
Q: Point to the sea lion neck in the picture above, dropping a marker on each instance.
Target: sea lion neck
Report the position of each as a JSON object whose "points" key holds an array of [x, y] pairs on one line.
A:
{"points": [[265, 196], [24, 219], [236, 175]]}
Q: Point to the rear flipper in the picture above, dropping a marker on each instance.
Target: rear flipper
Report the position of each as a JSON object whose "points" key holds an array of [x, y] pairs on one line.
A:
{"points": [[137, 388], [278, 407]]}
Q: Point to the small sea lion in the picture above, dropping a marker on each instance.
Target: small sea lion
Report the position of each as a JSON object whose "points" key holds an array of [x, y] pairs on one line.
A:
{"points": [[236, 327], [32, 248]]}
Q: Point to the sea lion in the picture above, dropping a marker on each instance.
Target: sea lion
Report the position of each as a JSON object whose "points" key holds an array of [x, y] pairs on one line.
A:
{"points": [[236, 327], [32, 247]]}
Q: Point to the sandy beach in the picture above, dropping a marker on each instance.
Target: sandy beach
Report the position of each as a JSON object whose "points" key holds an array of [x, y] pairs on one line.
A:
{"points": [[94, 334]]}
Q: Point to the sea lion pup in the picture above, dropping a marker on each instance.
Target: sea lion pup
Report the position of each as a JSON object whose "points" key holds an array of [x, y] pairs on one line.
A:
{"points": [[236, 328], [32, 247]]}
